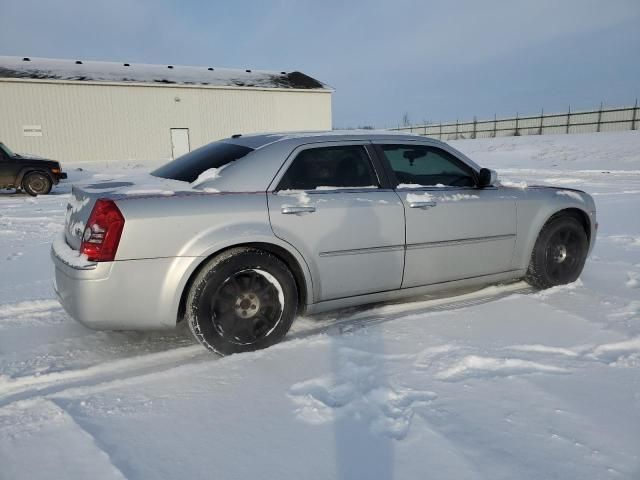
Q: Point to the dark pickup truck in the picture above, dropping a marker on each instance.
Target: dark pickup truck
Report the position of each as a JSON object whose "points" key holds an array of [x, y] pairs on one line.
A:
{"points": [[34, 175]]}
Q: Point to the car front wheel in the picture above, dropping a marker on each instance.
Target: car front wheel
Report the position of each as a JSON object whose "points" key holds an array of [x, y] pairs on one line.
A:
{"points": [[559, 253], [242, 300], [36, 184]]}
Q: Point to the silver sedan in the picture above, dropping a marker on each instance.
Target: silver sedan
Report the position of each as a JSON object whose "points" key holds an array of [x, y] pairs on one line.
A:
{"points": [[240, 236]]}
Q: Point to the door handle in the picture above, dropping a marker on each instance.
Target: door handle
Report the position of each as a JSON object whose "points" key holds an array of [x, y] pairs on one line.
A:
{"points": [[294, 209], [423, 205]]}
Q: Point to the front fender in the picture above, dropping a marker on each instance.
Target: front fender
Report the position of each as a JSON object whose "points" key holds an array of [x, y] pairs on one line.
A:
{"points": [[534, 209]]}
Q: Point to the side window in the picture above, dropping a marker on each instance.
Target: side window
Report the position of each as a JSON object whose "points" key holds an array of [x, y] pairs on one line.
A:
{"points": [[427, 166], [330, 167]]}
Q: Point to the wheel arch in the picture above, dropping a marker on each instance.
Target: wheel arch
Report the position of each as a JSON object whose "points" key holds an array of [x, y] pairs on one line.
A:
{"points": [[577, 213], [301, 277], [27, 170]]}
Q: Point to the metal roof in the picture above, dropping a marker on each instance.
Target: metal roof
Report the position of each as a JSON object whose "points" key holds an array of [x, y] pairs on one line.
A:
{"points": [[139, 73], [258, 140]]}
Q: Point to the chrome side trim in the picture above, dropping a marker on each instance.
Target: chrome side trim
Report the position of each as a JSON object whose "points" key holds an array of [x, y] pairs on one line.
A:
{"points": [[333, 191], [461, 241], [416, 246], [359, 251]]}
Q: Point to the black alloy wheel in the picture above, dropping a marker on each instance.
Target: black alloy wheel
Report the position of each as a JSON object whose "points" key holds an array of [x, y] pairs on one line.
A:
{"points": [[559, 254], [246, 307], [241, 300], [564, 252]]}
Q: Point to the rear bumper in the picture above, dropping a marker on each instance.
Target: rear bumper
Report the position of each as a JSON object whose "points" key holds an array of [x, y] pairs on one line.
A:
{"points": [[121, 295], [62, 176]]}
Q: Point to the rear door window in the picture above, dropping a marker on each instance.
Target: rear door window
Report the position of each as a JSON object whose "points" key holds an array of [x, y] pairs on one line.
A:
{"points": [[330, 168], [188, 167], [419, 165]]}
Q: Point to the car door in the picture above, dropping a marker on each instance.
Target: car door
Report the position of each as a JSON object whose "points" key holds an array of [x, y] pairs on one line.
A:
{"points": [[8, 168], [454, 230], [338, 211]]}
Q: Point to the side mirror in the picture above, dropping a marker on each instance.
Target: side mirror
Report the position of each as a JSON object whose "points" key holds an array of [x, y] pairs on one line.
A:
{"points": [[487, 177]]}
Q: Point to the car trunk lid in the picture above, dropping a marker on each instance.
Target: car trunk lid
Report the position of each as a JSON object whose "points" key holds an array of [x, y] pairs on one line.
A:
{"points": [[85, 194]]}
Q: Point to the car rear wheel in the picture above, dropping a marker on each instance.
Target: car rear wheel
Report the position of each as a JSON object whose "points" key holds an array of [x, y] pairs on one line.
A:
{"points": [[242, 300], [36, 184], [559, 253]]}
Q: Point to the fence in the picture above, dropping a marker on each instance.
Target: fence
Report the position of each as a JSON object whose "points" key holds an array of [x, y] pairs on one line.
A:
{"points": [[601, 120]]}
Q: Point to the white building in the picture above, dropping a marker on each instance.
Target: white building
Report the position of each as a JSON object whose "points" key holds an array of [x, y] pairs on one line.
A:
{"points": [[72, 110]]}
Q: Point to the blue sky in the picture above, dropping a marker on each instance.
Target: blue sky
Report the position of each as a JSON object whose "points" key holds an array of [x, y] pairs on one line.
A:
{"points": [[435, 60]]}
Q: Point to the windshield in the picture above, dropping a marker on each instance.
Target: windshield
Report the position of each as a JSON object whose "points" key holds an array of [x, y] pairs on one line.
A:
{"points": [[188, 167], [6, 150]]}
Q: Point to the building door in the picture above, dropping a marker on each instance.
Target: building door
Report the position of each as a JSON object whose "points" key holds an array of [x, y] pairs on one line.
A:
{"points": [[179, 142]]}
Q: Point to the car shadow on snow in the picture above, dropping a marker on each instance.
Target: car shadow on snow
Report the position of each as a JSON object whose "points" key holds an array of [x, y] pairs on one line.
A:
{"points": [[355, 397]]}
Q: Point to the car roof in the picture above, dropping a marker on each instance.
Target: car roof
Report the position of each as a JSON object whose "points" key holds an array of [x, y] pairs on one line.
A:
{"points": [[259, 140], [256, 170]]}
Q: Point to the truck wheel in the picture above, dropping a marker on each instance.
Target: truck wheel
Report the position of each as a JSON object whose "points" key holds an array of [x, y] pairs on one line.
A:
{"points": [[559, 253], [242, 300], [36, 183]]}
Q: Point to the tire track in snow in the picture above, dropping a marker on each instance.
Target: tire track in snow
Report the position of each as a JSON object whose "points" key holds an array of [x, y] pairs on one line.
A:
{"points": [[30, 386], [22, 388], [389, 312], [32, 311], [35, 425], [95, 440]]}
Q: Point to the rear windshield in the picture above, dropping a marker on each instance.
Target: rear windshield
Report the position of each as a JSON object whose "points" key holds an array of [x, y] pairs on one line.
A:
{"points": [[189, 166]]}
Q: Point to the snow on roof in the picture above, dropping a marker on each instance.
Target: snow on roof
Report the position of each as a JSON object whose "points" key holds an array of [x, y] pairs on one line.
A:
{"points": [[80, 70]]}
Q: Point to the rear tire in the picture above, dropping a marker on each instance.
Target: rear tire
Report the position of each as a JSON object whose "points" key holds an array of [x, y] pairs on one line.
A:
{"points": [[559, 254], [36, 183], [242, 300]]}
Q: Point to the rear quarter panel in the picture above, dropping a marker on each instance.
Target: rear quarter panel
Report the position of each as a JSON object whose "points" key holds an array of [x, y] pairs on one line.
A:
{"points": [[195, 226], [187, 224]]}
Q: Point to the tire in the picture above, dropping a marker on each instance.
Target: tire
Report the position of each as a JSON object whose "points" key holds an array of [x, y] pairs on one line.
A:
{"points": [[559, 253], [244, 299], [36, 183]]}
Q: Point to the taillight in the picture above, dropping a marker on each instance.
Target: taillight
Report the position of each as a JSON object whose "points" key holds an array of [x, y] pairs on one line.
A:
{"points": [[102, 234]]}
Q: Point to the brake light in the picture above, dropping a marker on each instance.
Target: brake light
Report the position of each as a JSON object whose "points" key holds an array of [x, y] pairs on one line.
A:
{"points": [[103, 231]]}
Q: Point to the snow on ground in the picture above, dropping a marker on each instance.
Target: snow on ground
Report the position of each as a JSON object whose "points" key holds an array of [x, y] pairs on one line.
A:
{"points": [[500, 383]]}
